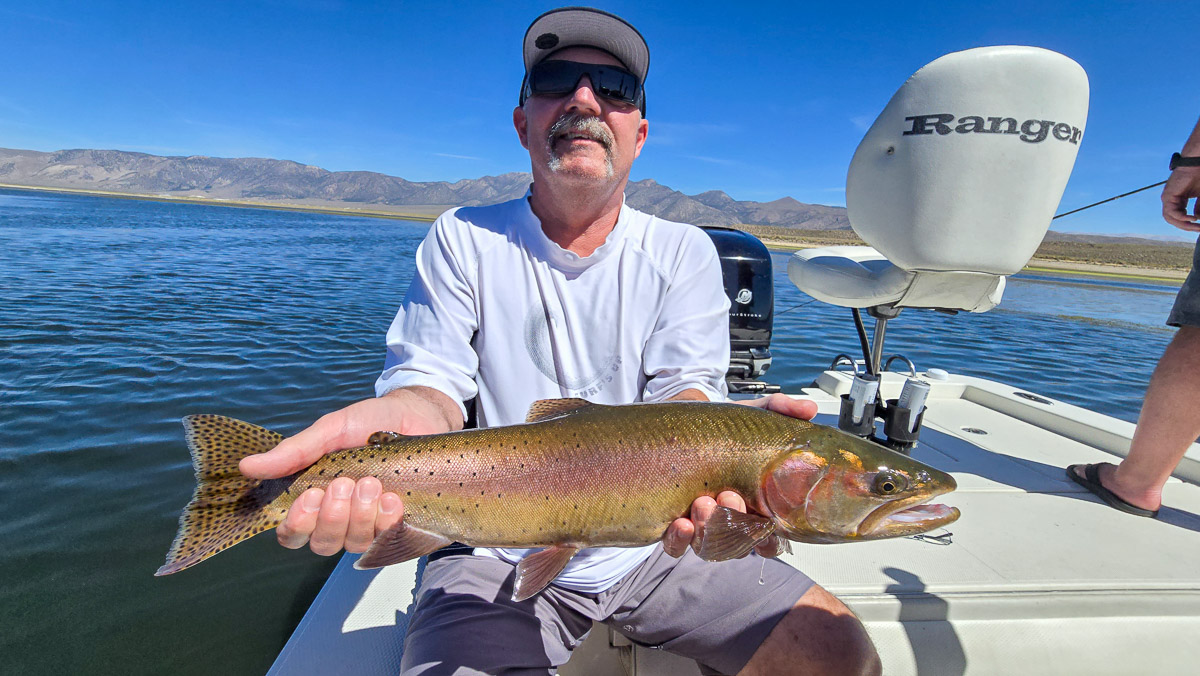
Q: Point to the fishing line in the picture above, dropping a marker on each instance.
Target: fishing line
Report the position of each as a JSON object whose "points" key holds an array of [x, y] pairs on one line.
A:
{"points": [[1155, 185], [796, 306]]}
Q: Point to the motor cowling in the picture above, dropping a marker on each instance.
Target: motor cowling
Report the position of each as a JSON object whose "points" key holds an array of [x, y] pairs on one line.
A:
{"points": [[749, 284]]}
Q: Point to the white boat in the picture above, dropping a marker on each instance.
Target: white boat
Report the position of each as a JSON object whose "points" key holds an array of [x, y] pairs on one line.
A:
{"points": [[1038, 576]]}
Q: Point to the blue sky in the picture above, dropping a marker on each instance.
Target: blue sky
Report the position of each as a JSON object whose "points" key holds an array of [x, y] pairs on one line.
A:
{"points": [[760, 100]]}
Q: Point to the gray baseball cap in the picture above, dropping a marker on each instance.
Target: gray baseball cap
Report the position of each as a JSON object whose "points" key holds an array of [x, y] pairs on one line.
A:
{"points": [[587, 27]]}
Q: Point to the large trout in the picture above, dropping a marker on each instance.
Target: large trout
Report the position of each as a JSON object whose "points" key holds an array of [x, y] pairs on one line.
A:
{"points": [[579, 475]]}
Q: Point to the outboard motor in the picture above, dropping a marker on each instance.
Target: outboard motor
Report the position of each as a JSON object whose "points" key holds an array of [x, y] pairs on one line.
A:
{"points": [[746, 267], [954, 187]]}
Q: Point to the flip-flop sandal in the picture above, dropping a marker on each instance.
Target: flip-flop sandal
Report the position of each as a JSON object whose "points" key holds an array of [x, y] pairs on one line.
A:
{"points": [[1091, 481]]}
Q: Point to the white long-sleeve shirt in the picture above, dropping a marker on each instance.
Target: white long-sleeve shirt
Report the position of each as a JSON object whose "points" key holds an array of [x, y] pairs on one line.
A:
{"points": [[499, 312]]}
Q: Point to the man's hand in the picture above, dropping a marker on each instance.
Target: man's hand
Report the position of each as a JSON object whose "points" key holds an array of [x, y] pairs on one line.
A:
{"points": [[1183, 184], [681, 533], [348, 515]]}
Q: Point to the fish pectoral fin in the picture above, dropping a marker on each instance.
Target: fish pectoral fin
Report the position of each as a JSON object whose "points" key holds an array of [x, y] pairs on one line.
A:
{"points": [[401, 542], [544, 409], [730, 534], [539, 569]]}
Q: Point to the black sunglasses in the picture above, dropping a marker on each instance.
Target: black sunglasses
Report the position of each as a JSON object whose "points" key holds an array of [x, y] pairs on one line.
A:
{"points": [[557, 78]]}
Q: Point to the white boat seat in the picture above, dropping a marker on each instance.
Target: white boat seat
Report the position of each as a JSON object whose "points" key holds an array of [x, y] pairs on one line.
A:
{"points": [[955, 184], [859, 276]]}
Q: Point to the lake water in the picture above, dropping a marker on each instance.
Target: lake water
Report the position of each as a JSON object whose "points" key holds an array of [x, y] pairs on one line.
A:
{"points": [[118, 317]]}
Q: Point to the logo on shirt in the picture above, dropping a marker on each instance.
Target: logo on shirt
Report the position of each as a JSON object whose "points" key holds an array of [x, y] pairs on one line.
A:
{"points": [[549, 341]]}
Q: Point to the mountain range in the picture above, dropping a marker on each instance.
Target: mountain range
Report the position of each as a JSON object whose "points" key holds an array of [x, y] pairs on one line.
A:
{"points": [[287, 183], [268, 180]]}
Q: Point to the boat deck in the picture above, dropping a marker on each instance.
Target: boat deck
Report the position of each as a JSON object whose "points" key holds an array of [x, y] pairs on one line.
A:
{"points": [[1037, 576]]}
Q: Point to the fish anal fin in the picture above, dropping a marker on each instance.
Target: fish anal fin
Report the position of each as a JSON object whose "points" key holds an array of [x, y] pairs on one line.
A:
{"points": [[730, 534], [401, 542], [550, 408], [539, 569]]}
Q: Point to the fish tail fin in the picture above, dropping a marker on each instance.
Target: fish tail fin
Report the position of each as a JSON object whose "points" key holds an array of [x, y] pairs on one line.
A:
{"points": [[227, 507]]}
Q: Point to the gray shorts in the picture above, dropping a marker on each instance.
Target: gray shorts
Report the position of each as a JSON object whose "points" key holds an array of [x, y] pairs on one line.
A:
{"points": [[1186, 311], [715, 613]]}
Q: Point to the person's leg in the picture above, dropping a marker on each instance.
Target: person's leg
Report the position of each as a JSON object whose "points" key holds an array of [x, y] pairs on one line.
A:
{"points": [[1168, 424], [819, 635], [749, 616], [1170, 417], [465, 622]]}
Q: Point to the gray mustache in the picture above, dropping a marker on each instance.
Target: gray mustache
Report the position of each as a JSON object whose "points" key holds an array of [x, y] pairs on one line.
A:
{"points": [[574, 122]]}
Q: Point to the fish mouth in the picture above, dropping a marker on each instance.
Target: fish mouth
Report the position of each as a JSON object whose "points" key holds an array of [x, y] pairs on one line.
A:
{"points": [[894, 520]]}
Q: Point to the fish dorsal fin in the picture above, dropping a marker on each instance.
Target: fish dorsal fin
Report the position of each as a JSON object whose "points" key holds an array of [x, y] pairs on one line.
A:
{"points": [[401, 542], [550, 408], [539, 569], [730, 534]]}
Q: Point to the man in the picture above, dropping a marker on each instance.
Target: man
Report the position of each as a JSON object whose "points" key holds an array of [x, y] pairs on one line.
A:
{"points": [[1170, 419], [567, 293]]}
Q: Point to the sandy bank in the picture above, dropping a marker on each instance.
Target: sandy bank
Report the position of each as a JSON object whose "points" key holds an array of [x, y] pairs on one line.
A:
{"points": [[406, 212], [1131, 273]]}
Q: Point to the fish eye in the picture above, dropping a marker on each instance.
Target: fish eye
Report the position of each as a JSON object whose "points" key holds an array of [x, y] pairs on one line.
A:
{"points": [[888, 482]]}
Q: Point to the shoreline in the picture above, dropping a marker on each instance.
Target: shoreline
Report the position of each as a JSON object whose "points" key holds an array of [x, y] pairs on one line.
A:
{"points": [[424, 214], [429, 213], [1044, 265]]}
